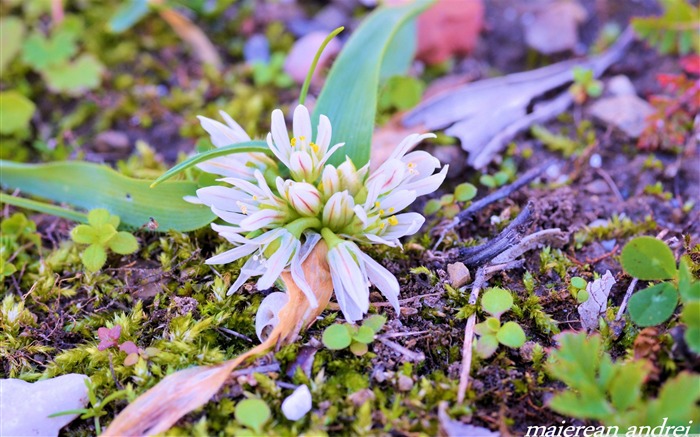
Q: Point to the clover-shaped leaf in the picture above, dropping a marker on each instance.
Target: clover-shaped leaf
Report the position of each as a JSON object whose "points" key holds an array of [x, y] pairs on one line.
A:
{"points": [[648, 258], [123, 243], [101, 234], [375, 322], [653, 305], [94, 257]]}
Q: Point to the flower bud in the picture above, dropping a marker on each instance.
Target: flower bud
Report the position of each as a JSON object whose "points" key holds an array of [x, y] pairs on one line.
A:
{"points": [[330, 183], [304, 198], [338, 211], [349, 177], [301, 166]]}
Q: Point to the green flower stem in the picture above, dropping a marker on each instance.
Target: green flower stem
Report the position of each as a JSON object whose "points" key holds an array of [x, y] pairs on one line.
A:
{"points": [[300, 225], [307, 81], [330, 238]]}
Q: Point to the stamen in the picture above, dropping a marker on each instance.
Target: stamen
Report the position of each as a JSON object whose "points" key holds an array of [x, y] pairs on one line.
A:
{"points": [[393, 221], [293, 141], [377, 204], [314, 146], [391, 210], [381, 212], [243, 206]]}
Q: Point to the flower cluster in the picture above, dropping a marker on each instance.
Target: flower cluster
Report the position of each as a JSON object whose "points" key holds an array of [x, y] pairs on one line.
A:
{"points": [[278, 211]]}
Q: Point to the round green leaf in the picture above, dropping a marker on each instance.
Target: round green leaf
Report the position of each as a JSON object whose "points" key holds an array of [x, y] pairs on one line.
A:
{"points": [[336, 337], [511, 335], [582, 296], [83, 234], [252, 413], [375, 322], [15, 112], [486, 345], [98, 216], [692, 338], [653, 305], [364, 334], [465, 191], [432, 207], [497, 301], [648, 259], [94, 257], [358, 349], [493, 324], [578, 282], [691, 313], [104, 233], [123, 243]]}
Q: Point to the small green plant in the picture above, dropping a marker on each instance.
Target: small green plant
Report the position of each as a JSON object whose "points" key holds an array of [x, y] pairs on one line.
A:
{"points": [[676, 31], [272, 72], [502, 176], [612, 393], [447, 205], [658, 190], [252, 413], [650, 259], [585, 85], [101, 234], [97, 408], [491, 332], [578, 289], [339, 336], [400, 93]]}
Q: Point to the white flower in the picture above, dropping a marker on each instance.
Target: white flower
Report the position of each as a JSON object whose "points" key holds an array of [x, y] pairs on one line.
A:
{"points": [[276, 222], [240, 165]]}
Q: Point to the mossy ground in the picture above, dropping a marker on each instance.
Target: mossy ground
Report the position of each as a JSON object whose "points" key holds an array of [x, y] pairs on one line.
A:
{"points": [[165, 297]]}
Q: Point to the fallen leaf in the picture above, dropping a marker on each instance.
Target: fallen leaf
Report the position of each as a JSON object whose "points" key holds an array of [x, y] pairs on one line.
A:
{"points": [[159, 408], [598, 292]]}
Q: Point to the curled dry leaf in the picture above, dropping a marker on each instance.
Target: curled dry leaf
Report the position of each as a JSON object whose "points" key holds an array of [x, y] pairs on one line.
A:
{"points": [[181, 392], [597, 302]]}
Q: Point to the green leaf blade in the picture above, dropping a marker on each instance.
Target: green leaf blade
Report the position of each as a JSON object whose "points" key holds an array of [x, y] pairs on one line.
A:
{"points": [[336, 337], [511, 335], [349, 97], [123, 243], [89, 186], [245, 147]]}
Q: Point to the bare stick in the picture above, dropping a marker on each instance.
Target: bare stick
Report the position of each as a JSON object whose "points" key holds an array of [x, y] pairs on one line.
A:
{"points": [[629, 292], [497, 195], [479, 280], [406, 352]]}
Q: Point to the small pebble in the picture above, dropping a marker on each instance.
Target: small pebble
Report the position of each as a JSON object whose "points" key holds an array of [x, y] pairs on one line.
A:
{"points": [[596, 161], [405, 383], [621, 85], [111, 141], [459, 274]]}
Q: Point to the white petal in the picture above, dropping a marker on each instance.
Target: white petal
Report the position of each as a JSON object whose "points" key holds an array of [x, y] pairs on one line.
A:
{"points": [[382, 279], [302, 123], [278, 261], [348, 271], [221, 135], [325, 132], [280, 134], [407, 144], [260, 219], [282, 156], [232, 255], [235, 127], [297, 404], [397, 201], [231, 217], [429, 184], [379, 240], [252, 267], [424, 164], [330, 153], [408, 224]]}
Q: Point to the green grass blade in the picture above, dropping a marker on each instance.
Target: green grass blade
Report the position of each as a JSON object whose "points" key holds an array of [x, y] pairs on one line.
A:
{"points": [[349, 96], [88, 186], [246, 147], [43, 207]]}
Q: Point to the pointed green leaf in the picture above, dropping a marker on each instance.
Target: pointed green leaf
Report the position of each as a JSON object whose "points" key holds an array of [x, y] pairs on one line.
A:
{"points": [[648, 258], [94, 257], [349, 96], [654, 305], [245, 147], [123, 243], [89, 186]]}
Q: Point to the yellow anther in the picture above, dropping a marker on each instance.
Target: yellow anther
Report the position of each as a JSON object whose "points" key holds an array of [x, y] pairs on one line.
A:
{"points": [[393, 221], [381, 225], [377, 204], [391, 210], [294, 141], [302, 138], [411, 165], [314, 146], [255, 197], [381, 212]]}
